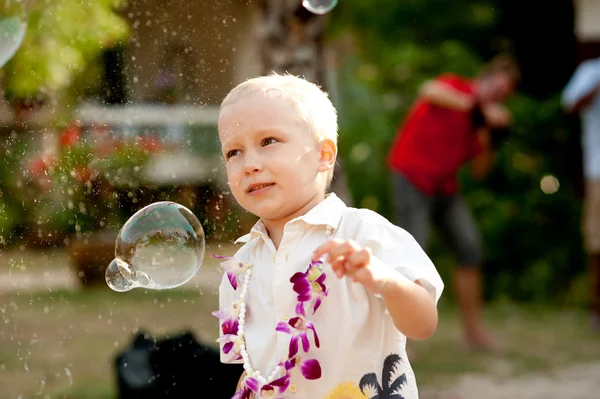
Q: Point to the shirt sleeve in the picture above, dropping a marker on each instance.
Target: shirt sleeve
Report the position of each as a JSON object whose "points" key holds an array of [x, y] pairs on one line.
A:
{"points": [[585, 78], [396, 248]]}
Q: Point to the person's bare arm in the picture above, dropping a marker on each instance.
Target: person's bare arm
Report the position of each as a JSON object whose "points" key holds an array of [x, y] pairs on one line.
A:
{"points": [[443, 95], [496, 115], [483, 162]]}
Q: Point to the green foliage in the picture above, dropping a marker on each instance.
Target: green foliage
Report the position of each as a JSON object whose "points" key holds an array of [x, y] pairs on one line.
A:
{"points": [[532, 240], [12, 214], [62, 38], [398, 50], [82, 188]]}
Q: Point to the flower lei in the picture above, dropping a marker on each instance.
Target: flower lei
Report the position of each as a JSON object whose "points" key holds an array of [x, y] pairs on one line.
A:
{"points": [[310, 289]]}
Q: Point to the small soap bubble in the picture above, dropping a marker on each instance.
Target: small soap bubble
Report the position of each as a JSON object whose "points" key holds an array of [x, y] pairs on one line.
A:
{"points": [[160, 247], [117, 276], [319, 7], [12, 33]]}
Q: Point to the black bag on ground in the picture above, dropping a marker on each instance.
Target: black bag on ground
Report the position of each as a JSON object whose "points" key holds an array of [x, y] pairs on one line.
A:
{"points": [[173, 367]]}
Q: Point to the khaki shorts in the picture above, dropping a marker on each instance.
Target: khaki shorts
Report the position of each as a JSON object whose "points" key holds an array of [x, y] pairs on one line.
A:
{"points": [[591, 216]]}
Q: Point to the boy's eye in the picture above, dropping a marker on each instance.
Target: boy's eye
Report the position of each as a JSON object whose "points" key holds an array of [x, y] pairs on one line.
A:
{"points": [[232, 153], [269, 140]]}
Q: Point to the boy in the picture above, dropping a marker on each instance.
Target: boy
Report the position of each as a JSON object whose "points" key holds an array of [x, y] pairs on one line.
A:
{"points": [[305, 328]]}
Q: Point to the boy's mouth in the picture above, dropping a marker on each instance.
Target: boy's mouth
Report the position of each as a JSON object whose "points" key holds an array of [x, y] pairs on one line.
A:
{"points": [[258, 186]]}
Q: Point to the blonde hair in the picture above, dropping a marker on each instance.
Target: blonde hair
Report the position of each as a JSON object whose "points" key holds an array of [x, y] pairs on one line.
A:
{"points": [[312, 104]]}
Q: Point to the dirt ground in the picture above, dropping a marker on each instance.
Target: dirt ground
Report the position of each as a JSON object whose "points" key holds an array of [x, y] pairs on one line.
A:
{"points": [[573, 382]]}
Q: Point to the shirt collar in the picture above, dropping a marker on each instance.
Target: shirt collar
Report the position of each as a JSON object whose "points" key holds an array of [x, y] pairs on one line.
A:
{"points": [[327, 213]]}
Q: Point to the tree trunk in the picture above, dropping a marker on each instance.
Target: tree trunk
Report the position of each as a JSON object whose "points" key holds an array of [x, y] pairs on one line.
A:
{"points": [[292, 40]]}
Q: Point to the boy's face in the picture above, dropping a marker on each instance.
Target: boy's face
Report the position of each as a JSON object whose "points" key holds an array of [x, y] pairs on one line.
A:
{"points": [[273, 161]]}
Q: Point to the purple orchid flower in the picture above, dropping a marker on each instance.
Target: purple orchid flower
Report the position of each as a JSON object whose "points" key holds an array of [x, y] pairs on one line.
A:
{"points": [[244, 393], [272, 389], [310, 368], [232, 313], [298, 326], [230, 326], [279, 386], [310, 287], [250, 387], [229, 340], [233, 268]]}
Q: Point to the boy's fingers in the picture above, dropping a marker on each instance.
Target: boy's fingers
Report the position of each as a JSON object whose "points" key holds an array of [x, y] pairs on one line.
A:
{"points": [[343, 249], [339, 251], [357, 260], [338, 268], [340, 255], [325, 248]]}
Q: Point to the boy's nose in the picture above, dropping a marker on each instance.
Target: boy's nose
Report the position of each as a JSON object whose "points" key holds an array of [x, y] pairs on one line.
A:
{"points": [[252, 165]]}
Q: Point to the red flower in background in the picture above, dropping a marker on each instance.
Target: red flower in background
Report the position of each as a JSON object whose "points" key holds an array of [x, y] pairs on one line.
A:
{"points": [[38, 166], [71, 135], [38, 170], [149, 143]]}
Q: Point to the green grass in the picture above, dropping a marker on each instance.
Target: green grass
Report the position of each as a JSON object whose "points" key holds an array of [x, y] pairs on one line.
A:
{"points": [[44, 335], [84, 390]]}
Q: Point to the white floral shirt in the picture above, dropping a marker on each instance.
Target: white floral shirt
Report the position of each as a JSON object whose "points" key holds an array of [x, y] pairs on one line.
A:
{"points": [[361, 352]]}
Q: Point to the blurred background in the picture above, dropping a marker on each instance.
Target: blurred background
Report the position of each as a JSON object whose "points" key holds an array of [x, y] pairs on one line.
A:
{"points": [[110, 105]]}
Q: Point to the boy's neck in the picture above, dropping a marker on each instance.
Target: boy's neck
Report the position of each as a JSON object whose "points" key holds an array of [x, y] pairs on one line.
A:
{"points": [[275, 227]]}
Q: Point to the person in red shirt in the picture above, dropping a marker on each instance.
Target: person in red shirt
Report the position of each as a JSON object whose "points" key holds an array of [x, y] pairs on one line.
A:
{"points": [[448, 126]]}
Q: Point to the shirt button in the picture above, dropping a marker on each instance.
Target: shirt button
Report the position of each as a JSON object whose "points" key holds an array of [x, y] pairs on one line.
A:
{"points": [[273, 258], [293, 388]]}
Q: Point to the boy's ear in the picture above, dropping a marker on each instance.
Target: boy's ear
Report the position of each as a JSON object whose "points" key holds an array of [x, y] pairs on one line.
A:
{"points": [[328, 154]]}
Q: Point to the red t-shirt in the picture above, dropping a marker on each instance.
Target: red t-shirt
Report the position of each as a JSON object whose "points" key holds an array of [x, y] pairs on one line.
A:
{"points": [[434, 142]]}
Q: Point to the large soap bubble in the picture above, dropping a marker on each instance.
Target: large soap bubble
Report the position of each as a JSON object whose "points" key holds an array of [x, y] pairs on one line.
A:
{"points": [[160, 247], [12, 33], [319, 6]]}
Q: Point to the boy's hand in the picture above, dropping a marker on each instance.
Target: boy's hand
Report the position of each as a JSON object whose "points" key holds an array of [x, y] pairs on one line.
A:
{"points": [[411, 307], [347, 258]]}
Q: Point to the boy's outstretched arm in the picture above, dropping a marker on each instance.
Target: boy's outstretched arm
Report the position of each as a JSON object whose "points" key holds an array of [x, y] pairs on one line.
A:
{"points": [[410, 305], [412, 308]]}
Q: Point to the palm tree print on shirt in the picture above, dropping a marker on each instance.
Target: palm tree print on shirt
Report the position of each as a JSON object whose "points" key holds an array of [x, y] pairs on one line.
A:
{"points": [[390, 387]]}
